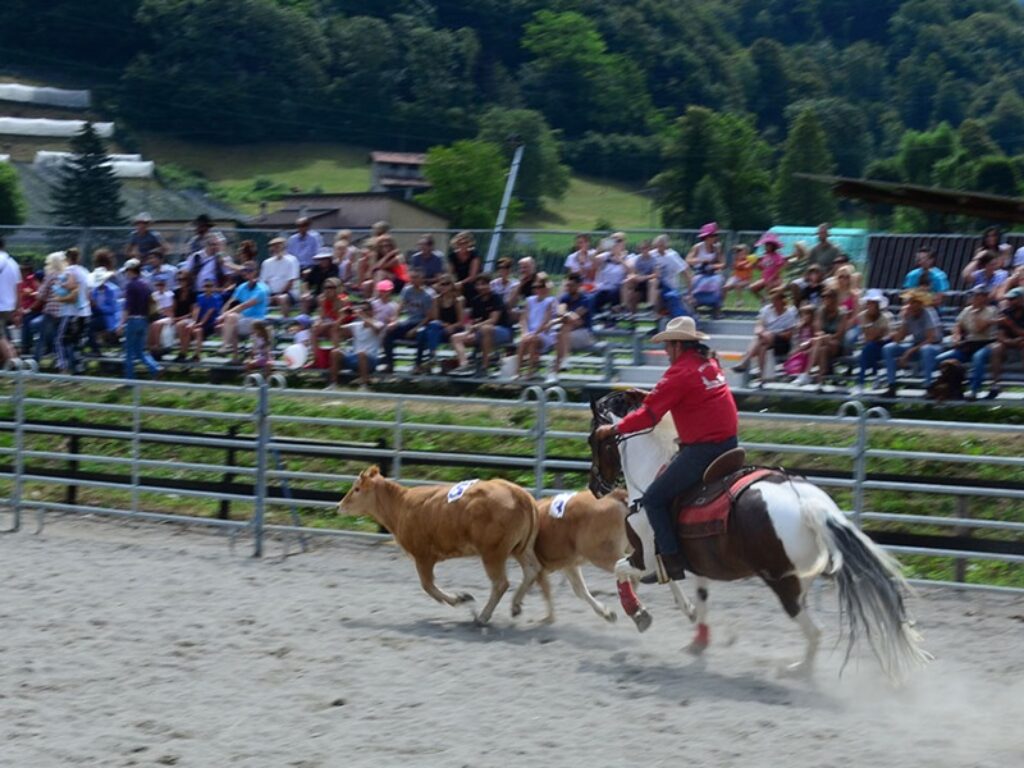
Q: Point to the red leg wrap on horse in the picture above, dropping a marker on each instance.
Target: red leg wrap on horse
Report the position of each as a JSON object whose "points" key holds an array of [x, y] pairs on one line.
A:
{"points": [[628, 599], [703, 635]]}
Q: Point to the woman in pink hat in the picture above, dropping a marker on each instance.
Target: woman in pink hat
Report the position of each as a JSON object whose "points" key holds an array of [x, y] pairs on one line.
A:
{"points": [[707, 249], [771, 264]]}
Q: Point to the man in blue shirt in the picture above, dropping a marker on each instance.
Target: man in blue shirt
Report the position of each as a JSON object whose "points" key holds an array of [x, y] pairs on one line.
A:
{"points": [[248, 303], [429, 260], [144, 240], [304, 244], [927, 275], [575, 335]]}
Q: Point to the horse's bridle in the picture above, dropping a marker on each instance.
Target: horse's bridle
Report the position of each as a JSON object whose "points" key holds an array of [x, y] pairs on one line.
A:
{"points": [[605, 486]]}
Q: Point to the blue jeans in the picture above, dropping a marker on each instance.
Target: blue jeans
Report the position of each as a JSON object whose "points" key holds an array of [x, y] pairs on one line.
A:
{"points": [[894, 350], [870, 357], [67, 337], [135, 331], [429, 339], [394, 335], [40, 333], [711, 299], [682, 473], [978, 361], [672, 301]]}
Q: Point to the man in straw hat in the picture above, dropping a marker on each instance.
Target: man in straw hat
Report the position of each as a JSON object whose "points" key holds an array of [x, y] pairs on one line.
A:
{"points": [[919, 336], [874, 324], [695, 392]]}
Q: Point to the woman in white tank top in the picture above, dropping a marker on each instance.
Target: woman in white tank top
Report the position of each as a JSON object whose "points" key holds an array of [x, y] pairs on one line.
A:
{"points": [[535, 323]]}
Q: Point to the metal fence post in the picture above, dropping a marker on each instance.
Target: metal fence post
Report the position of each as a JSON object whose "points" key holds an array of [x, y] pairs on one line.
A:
{"points": [[262, 439], [19, 448], [542, 441], [396, 463], [859, 458], [224, 513], [136, 443]]}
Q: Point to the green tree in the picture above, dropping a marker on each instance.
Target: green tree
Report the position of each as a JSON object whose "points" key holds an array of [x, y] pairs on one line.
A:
{"points": [[975, 140], [468, 180], [846, 131], [87, 194], [12, 204], [575, 81], [541, 174], [708, 204], [921, 150], [798, 201], [771, 87], [1006, 125], [230, 70], [725, 148]]}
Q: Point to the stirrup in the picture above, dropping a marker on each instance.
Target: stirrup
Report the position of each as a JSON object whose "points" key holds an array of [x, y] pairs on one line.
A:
{"points": [[660, 570]]}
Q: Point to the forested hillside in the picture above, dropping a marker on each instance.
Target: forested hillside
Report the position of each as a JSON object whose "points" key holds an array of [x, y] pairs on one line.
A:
{"points": [[703, 94]]}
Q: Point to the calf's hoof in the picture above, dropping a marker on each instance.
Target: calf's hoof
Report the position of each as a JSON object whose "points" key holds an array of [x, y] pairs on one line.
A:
{"points": [[463, 597], [643, 620], [517, 609], [610, 616]]}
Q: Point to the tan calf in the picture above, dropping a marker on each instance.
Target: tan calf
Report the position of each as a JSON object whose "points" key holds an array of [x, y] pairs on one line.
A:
{"points": [[493, 519], [585, 530]]}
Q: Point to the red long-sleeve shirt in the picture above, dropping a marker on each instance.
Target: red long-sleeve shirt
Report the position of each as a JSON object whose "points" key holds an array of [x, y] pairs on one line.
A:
{"points": [[695, 392]]}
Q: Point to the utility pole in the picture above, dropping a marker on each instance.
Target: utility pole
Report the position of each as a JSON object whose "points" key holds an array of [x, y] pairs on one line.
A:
{"points": [[499, 225]]}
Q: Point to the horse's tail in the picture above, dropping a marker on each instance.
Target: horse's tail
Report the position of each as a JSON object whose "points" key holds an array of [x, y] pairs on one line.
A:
{"points": [[871, 596]]}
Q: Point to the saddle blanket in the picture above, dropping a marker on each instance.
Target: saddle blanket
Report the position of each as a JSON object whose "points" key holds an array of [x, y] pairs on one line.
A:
{"points": [[557, 508], [456, 491], [711, 518]]}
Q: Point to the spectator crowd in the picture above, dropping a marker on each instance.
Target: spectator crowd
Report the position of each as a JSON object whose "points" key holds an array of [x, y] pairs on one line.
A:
{"points": [[349, 305]]}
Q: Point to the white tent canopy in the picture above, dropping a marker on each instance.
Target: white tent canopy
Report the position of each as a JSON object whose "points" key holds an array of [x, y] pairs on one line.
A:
{"points": [[64, 129], [5, 158], [55, 97], [125, 166], [133, 169], [47, 157]]}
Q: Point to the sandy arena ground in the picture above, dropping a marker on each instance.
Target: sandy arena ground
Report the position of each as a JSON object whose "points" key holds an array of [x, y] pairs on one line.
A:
{"points": [[149, 645]]}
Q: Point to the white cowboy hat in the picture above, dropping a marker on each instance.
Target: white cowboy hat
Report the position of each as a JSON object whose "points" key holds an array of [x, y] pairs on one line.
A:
{"points": [[875, 294], [681, 329]]}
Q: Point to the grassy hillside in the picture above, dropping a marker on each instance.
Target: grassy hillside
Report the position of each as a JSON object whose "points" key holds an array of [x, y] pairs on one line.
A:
{"points": [[232, 172]]}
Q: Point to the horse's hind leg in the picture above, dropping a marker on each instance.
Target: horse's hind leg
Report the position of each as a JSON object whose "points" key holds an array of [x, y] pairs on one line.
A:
{"points": [[579, 586], [495, 568], [792, 594], [703, 636]]}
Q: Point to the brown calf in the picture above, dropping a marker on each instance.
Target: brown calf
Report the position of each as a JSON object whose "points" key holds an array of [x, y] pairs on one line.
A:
{"points": [[493, 519], [583, 529]]}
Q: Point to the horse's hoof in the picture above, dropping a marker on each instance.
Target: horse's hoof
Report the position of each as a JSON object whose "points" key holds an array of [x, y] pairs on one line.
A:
{"points": [[701, 640], [610, 616], [549, 619], [478, 622], [643, 620], [464, 597], [796, 670], [516, 610]]}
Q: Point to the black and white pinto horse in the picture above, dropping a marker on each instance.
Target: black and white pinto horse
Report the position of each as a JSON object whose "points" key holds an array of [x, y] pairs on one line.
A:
{"points": [[783, 529]]}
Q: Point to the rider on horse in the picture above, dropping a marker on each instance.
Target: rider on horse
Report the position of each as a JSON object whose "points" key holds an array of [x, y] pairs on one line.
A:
{"points": [[695, 391]]}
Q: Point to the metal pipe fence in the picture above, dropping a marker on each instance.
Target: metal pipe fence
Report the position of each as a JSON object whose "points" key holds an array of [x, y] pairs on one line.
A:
{"points": [[149, 450]]}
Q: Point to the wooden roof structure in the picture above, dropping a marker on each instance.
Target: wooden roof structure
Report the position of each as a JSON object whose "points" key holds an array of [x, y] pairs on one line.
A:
{"points": [[954, 201]]}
